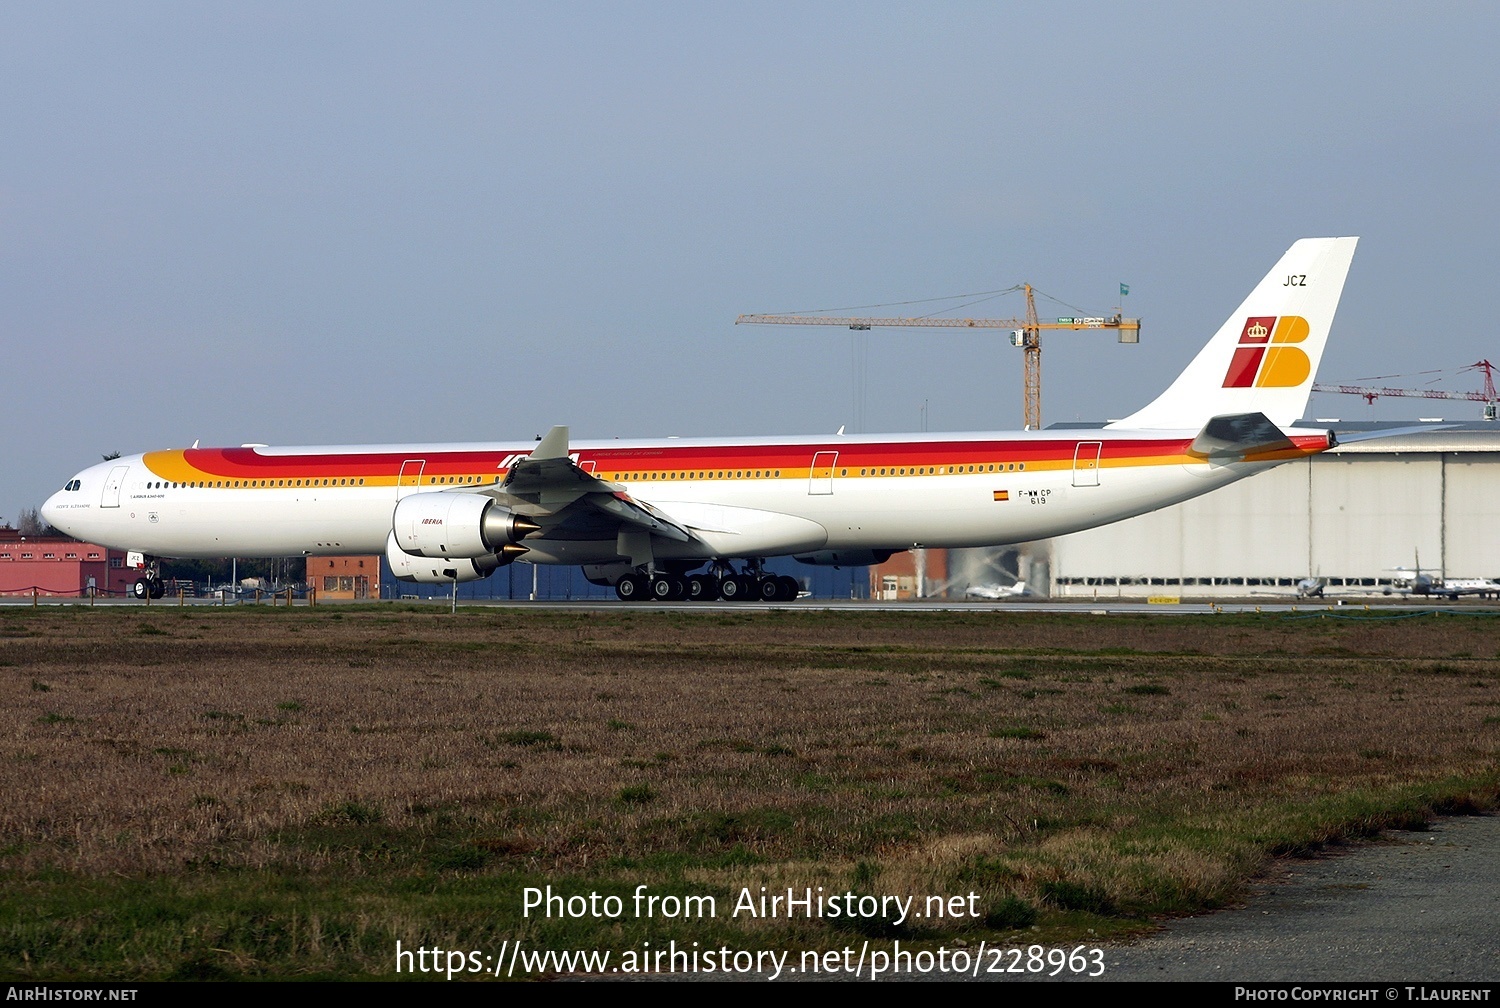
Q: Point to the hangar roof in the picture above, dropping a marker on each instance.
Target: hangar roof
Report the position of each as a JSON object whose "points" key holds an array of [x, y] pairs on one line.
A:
{"points": [[1391, 437], [1387, 437]]}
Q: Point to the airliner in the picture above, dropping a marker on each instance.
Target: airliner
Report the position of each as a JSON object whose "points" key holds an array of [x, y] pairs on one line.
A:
{"points": [[697, 518]]}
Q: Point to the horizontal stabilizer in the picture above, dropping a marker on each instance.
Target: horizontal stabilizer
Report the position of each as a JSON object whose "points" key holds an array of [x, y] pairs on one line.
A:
{"points": [[1236, 435], [1390, 432]]}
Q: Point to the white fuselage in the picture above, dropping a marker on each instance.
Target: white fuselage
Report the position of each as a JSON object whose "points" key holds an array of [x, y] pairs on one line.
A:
{"points": [[739, 498]]}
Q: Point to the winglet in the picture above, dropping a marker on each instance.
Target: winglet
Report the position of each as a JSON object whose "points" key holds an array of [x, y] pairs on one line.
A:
{"points": [[554, 445]]}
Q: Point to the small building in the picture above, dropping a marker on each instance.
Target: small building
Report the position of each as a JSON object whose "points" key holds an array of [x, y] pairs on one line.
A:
{"points": [[59, 566], [912, 574], [344, 577]]}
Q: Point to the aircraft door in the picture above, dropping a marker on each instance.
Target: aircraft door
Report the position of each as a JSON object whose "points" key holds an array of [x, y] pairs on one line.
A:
{"points": [[1086, 463], [410, 477], [820, 476], [112, 485]]}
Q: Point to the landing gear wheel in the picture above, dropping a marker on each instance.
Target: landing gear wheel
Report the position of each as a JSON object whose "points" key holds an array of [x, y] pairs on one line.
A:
{"points": [[730, 589], [158, 589], [667, 589], [790, 588], [745, 585], [141, 589], [630, 588], [702, 588], [768, 589]]}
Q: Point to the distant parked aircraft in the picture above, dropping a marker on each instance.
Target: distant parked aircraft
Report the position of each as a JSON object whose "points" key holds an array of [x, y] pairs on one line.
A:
{"points": [[1311, 587], [1416, 581], [995, 591]]}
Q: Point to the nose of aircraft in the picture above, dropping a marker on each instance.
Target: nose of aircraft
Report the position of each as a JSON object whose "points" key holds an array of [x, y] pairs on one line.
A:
{"points": [[50, 512], [60, 510]]}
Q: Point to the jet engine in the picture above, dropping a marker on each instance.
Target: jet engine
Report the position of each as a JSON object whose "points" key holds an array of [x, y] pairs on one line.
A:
{"points": [[446, 524], [446, 570]]}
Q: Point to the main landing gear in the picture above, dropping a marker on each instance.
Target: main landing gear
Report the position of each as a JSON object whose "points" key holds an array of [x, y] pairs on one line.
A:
{"points": [[719, 582]]}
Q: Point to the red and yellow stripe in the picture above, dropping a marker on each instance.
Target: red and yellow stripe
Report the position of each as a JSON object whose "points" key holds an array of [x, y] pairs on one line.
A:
{"points": [[248, 468]]}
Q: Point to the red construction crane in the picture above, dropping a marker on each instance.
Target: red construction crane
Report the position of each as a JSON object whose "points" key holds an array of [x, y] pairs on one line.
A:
{"points": [[1487, 395]]}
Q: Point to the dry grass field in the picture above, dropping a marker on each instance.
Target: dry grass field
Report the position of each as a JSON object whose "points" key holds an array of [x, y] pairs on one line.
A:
{"points": [[277, 793]]}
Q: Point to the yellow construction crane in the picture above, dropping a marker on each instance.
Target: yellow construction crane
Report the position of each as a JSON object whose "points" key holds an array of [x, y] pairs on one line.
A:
{"points": [[1026, 333]]}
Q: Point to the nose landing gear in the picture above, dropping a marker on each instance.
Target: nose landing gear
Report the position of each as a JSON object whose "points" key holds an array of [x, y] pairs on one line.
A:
{"points": [[149, 584]]}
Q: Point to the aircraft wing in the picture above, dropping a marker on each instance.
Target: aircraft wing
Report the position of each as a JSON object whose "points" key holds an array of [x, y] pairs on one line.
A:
{"points": [[551, 489]]}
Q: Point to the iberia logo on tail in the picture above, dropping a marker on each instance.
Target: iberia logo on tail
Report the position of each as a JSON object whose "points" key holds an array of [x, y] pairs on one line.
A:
{"points": [[1265, 357]]}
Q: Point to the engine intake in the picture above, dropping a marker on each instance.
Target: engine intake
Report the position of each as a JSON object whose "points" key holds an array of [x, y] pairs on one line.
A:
{"points": [[445, 524]]}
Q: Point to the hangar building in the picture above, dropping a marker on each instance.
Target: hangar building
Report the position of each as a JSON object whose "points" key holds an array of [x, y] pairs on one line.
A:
{"points": [[1350, 515]]}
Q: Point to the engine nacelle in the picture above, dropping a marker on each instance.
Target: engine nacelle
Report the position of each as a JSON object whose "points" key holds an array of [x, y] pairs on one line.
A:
{"points": [[441, 570], [445, 524]]}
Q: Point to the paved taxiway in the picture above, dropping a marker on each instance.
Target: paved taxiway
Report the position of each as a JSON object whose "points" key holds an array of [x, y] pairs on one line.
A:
{"points": [[1411, 907], [1113, 607]]}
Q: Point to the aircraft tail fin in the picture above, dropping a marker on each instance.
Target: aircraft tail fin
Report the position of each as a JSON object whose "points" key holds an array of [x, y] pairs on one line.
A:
{"points": [[1263, 359]]}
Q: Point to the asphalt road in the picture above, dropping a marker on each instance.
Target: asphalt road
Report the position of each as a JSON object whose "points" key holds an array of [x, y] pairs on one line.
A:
{"points": [[1409, 908], [1412, 907], [1112, 607]]}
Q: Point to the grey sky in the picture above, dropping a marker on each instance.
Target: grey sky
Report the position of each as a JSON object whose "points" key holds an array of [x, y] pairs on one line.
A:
{"points": [[330, 222]]}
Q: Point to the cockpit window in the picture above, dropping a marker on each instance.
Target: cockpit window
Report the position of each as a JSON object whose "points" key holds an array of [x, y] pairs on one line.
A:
{"points": [[73, 484]]}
